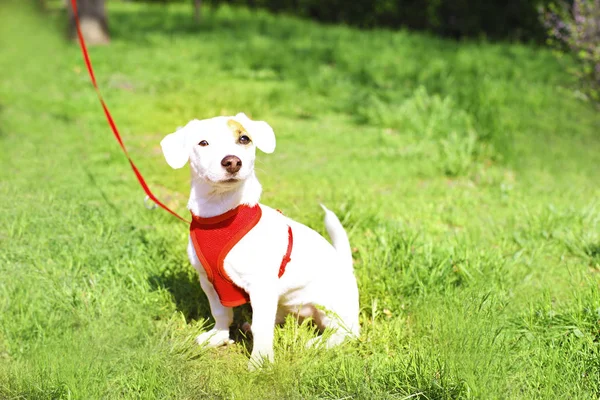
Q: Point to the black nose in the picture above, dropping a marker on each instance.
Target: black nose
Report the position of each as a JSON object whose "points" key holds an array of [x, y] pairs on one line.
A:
{"points": [[232, 164]]}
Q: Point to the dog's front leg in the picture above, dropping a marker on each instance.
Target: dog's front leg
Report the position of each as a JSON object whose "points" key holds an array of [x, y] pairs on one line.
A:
{"points": [[219, 335], [264, 309]]}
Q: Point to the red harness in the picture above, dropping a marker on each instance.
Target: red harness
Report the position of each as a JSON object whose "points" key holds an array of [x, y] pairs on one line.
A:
{"points": [[214, 237]]}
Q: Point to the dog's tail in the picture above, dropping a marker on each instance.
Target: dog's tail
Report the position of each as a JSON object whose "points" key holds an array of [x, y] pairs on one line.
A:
{"points": [[338, 236]]}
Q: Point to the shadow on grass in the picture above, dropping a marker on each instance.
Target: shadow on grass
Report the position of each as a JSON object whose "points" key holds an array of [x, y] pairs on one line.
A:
{"points": [[190, 300], [136, 25], [186, 292], [98, 187], [593, 251]]}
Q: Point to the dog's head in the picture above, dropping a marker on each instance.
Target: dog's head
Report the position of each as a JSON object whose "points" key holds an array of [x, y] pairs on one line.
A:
{"points": [[221, 150]]}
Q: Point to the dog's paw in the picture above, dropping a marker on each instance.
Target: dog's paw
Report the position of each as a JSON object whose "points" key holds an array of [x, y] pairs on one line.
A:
{"points": [[260, 360], [214, 338]]}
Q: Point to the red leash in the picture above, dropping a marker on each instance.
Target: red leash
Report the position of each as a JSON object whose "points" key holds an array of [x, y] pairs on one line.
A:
{"points": [[111, 122]]}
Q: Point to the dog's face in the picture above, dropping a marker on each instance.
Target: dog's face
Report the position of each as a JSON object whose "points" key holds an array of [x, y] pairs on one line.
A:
{"points": [[221, 150]]}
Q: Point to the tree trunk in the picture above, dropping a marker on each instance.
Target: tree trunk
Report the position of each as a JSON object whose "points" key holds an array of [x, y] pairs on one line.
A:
{"points": [[92, 19], [197, 10]]}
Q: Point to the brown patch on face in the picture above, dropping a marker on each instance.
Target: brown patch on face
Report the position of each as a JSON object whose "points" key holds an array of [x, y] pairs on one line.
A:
{"points": [[237, 129]]}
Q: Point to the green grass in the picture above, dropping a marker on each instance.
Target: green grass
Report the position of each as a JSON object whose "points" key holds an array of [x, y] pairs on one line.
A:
{"points": [[467, 175]]}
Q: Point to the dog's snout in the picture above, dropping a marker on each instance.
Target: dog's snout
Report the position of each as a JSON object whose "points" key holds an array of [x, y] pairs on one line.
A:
{"points": [[232, 164]]}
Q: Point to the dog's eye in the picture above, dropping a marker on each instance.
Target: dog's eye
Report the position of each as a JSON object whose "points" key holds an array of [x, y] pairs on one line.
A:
{"points": [[203, 143], [244, 139]]}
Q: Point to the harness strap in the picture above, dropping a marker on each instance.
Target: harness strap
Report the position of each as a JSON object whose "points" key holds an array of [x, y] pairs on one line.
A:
{"points": [[287, 257]]}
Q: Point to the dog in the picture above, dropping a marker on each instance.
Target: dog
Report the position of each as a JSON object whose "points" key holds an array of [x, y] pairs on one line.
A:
{"points": [[279, 265]]}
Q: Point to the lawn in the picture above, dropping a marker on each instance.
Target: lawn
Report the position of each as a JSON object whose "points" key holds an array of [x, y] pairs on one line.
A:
{"points": [[467, 175]]}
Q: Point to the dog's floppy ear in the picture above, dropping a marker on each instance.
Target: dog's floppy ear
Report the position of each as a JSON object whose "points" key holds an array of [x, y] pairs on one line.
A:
{"points": [[262, 134], [175, 147]]}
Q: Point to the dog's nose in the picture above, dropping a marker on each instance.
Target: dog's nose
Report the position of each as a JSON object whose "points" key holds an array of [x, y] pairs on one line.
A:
{"points": [[232, 164]]}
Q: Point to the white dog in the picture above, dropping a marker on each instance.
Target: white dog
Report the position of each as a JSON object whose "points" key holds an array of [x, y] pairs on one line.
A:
{"points": [[251, 252]]}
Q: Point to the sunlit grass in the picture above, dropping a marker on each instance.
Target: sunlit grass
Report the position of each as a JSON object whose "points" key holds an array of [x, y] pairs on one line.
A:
{"points": [[466, 174]]}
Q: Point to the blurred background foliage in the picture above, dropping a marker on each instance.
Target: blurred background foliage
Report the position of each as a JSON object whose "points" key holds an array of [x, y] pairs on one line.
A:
{"points": [[569, 26], [574, 27], [497, 19]]}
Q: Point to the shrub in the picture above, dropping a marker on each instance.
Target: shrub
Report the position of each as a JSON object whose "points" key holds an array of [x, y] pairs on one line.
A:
{"points": [[575, 27], [453, 18], [497, 19]]}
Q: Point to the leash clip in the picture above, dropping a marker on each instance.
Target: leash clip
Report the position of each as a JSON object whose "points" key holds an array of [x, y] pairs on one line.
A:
{"points": [[151, 206]]}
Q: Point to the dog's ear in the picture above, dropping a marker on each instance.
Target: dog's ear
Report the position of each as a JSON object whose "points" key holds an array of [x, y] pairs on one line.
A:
{"points": [[262, 134], [175, 147]]}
